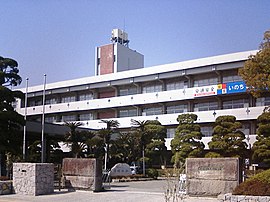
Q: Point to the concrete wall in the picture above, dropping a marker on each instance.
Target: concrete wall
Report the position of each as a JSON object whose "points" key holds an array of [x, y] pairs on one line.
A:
{"points": [[127, 59], [33, 178], [211, 176], [82, 173]]}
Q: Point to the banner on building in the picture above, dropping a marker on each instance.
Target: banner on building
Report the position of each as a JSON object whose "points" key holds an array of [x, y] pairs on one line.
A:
{"points": [[236, 87], [205, 91]]}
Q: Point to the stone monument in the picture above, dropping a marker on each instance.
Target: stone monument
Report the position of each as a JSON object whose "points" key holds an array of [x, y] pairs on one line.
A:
{"points": [[83, 173], [211, 176], [120, 170]]}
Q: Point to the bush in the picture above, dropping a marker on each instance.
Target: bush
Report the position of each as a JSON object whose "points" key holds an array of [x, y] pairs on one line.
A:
{"points": [[257, 185], [253, 187], [153, 173]]}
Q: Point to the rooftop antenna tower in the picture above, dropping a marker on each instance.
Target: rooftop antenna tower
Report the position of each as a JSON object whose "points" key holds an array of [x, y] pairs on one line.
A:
{"points": [[119, 36]]}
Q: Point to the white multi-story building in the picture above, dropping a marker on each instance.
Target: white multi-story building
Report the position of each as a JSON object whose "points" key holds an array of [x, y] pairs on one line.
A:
{"points": [[209, 87]]}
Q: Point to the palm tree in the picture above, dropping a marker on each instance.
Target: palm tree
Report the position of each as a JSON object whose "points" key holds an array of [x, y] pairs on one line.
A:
{"points": [[105, 134], [142, 133], [75, 139]]}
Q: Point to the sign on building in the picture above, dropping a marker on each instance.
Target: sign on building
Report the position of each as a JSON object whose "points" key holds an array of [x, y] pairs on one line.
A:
{"points": [[236, 87], [231, 87], [205, 91]]}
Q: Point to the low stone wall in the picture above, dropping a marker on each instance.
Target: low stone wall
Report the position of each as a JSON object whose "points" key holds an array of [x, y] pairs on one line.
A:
{"points": [[5, 187], [33, 178], [211, 176], [242, 198], [82, 173]]}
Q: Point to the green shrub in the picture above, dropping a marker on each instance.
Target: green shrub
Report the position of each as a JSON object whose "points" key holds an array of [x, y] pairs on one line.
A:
{"points": [[151, 172], [253, 187], [263, 176], [257, 185]]}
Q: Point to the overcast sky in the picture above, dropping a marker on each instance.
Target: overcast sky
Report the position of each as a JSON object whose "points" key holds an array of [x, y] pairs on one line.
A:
{"points": [[58, 37]]}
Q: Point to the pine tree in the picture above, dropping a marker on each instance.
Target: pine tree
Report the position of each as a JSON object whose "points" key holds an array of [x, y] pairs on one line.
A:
{"points": [[10, 121], [227, 140], [186, 142], [261, 147]]}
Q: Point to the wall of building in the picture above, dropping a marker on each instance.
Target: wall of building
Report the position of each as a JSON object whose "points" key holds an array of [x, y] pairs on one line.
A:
{"points": [[127, 59], [155, 93], [106, 58]]}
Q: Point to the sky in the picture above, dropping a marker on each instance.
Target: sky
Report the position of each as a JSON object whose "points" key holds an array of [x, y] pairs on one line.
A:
{"points": [[58, 37]]}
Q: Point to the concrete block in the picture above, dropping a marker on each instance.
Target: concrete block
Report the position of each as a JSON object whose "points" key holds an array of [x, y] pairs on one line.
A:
{"points": [[33, 178]]}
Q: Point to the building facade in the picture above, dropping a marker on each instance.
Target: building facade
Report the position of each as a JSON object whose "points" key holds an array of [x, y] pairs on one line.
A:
{"points": [[209, 87]]}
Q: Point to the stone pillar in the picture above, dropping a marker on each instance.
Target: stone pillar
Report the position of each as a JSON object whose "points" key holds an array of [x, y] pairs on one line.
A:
{"points": [[33, 178]]}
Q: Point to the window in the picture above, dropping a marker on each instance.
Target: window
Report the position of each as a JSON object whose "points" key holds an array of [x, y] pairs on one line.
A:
{"points": [[171, 132], [50, 119], [69, 118], [207, 131], [174, 109], [88, 96], [128, 91], [205, 106], [51, 101], [152, 111], [263, 101], [176, 85], [234, 104], [127, 113], [32, 103], [152, 88], [86, 117], [227, 79], [68, 99], [205, 82]]}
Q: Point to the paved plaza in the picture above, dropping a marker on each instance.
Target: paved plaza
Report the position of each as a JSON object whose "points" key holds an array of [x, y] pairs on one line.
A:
{"points": [[142, 191]]}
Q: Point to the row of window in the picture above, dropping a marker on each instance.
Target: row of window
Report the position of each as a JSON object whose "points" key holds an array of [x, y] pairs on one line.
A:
{"points": [[173, 109], [131, 90], [67, 118], [66, 99]]}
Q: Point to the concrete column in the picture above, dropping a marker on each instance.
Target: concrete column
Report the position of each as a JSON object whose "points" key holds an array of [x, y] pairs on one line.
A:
{"points": [[190, 81], [219, 102], [190, 107], [253, 127], [139, 88], [115, 90]]}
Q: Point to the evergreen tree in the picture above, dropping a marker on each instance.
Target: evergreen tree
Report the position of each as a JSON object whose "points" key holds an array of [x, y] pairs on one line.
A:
{"points": [[256, 70], [151, 136], [77, 140], [106, 135], [186, 142], [227, 140], [10, 121], [261, 147], [156, 149]]}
